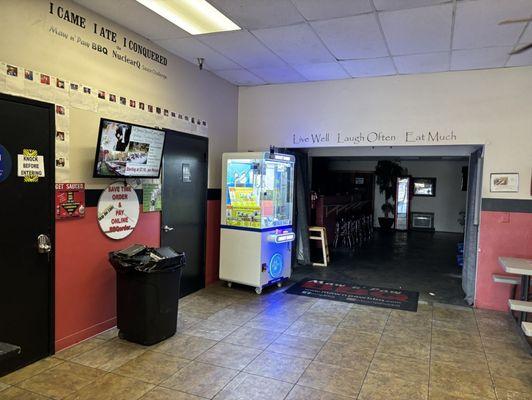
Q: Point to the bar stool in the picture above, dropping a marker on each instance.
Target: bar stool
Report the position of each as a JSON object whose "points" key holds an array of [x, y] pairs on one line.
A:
{"points": [[320, 233]]}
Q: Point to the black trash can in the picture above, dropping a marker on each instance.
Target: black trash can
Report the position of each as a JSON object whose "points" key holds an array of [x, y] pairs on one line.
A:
{"points": [[147, 289]]}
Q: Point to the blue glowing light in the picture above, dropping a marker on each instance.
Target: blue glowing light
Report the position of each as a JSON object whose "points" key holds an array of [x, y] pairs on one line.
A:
{"points": [[276, 266]]}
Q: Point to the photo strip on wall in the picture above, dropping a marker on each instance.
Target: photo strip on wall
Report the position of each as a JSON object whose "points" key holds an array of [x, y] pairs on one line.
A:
{"points": [[65, 95]]}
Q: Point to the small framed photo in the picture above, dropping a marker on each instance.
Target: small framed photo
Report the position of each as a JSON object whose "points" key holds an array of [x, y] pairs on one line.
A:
{"points": [[45, 79], [59, 110], [504, 182], [424, 187], [12, 70]]}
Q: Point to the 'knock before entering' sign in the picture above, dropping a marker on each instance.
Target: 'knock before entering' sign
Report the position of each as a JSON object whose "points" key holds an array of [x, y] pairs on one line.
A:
{"points": [[30, 165]]}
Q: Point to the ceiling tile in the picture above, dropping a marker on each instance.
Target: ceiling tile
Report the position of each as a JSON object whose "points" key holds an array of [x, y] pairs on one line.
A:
{"points": [[243, 48], [322, 71], [278, 75], [520, 60], [382, 5], [258, 14], [489, 57], [296, 44], [418, 30], [374, 67], [138, 18], [352, 37], [527, 36], [190, 49], [476, 23], [318, 9], [421, 63], [240, 77]]}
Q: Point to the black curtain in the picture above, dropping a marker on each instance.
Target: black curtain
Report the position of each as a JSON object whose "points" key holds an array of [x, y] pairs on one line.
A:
{"points": [[469, 270], [301, 206]]}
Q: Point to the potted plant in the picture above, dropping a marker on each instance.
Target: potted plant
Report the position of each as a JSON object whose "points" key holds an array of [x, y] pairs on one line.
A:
{"points": [[387, 173]]}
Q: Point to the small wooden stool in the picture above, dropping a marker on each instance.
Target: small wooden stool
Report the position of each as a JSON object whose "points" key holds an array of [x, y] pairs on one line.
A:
{"points": [[322, 237]]}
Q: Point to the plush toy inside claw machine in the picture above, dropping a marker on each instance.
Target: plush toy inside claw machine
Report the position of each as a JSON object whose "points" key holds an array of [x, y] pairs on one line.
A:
{"points": [[257, 206]]}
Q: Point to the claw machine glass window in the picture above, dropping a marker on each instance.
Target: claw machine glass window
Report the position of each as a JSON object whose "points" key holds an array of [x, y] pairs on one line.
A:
{"points": [[243, 193], [276, 194]]}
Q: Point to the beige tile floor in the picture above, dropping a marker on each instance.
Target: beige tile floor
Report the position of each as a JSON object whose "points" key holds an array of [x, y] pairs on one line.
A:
{"points": [[233, 344]]}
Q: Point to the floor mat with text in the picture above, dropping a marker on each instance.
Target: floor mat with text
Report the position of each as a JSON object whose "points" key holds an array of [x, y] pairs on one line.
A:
{"points": [[358, 294]]}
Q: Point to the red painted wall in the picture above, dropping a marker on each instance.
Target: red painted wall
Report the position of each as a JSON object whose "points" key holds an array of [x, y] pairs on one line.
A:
{"points": [[501, 234], [85, 285], [84, 280], [212, 257]]}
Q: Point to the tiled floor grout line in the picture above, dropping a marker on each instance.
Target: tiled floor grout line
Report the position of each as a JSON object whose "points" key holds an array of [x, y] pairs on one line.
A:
{"points": [[373, 357], [314, 358], [251, 361], [430, 348], [242, 370], [38, 394], [34, 375], [239, 371], [486, 357], [295, 384]]}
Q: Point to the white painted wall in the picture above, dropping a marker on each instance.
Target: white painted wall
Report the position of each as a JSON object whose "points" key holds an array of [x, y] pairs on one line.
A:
{"points": [[489, 107], [26, 41], [449, 199]]}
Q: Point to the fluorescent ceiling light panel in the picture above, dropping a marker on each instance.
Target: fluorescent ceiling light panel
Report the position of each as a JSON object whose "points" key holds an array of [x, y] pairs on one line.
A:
{"points": [[194, 16]]}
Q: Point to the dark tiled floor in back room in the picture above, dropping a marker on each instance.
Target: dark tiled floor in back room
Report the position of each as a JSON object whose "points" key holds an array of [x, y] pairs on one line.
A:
{"points": [[420, 261], [235, 345]]}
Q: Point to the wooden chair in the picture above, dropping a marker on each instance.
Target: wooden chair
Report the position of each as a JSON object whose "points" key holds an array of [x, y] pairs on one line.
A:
{"points": [[320, 233]]}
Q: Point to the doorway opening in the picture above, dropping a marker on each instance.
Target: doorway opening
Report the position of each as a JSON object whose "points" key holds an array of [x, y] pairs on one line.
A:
{"points": [[397, 218]]}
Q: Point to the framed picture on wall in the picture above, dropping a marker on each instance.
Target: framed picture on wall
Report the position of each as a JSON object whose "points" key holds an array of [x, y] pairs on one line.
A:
{"points": [[504, 182], [424, 187]]}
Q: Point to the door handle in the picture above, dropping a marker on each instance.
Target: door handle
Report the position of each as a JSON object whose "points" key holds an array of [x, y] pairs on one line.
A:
{"points": [[167, 228], [43, 244]]}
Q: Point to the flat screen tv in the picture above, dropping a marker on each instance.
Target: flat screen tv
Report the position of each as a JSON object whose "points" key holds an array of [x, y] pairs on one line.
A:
{"points": [[425, 187], [127, 150]]}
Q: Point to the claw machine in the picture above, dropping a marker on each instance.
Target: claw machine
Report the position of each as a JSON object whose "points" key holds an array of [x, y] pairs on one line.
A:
{"points": [[256, 227]]}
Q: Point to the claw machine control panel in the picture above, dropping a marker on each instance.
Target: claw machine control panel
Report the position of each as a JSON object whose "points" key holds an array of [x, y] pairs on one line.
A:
{"points": [[257, 205]]}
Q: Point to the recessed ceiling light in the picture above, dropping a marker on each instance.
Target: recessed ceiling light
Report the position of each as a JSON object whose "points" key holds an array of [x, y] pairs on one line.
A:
{"points": [[194, 16]]}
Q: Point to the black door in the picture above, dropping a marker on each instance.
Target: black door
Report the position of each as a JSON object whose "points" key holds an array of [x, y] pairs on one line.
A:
{"points": [[26, 276], [184, 197]]}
